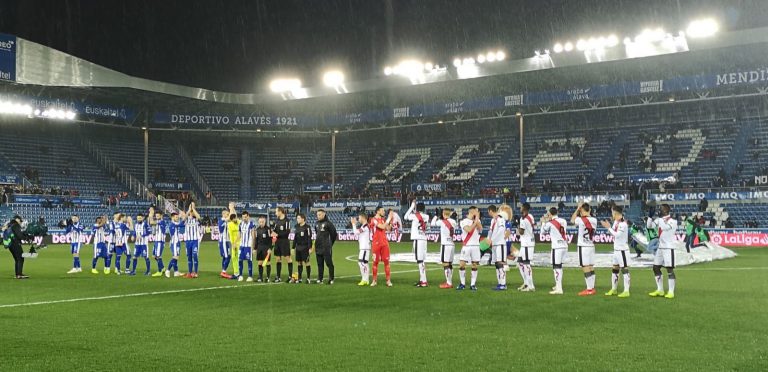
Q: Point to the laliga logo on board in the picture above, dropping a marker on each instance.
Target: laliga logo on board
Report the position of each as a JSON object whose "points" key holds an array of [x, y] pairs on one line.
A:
{"points": [[7, 44], [716, 239]]}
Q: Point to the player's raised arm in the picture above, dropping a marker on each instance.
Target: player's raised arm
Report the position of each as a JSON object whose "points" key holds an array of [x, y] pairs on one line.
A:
{"points": [[409, 213], [575, 214], [192, 211]]}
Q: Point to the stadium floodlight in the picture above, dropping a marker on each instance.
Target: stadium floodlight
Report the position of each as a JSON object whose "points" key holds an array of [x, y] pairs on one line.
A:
{"points": [[612, 41], [284, 85], [387, 71], [581, 45], [333, 79], [500, 55], [428, 66], [536, 52], [490, 57], [568, 46], [258, 130], [456, 62], [336, 131], [627, 41], [558, 48], [481, 58], [702, 28]]}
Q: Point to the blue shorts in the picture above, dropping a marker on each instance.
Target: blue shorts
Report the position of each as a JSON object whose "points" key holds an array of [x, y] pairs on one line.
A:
{"points": [[158, 250], [101, 250], [140, 251], [110, 248], [245, 254], [175, 249], [122, 250], [225, 249], [192, 248], [76, 248]]}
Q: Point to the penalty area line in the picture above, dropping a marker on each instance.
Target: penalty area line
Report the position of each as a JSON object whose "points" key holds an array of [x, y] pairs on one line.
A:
{"points": [[158, 293]]}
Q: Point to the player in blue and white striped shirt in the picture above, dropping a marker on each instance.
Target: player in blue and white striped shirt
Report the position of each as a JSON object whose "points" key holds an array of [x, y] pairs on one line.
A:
{"points": [[120, 231], [158, 237], [100, 245], [142, 232], [225, 241], [176, 230], [247, 235], [74, 234], [193, 235]]}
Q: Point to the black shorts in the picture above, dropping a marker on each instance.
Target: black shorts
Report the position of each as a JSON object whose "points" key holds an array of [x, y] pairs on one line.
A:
{"points": [[261, 253], [282, 248], [302, 253]]}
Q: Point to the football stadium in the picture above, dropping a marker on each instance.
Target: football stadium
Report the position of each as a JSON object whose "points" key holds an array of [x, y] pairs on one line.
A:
{"points": [[384, 185]]}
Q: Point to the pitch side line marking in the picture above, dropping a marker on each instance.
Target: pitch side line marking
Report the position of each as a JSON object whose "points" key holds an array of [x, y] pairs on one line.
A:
{"points": [[142, 294]]}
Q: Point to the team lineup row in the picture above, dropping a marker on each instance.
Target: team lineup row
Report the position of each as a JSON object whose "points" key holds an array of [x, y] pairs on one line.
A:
{"points": [[242, 237]]}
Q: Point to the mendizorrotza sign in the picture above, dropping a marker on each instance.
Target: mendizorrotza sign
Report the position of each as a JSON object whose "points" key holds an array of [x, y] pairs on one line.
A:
{"points": [[7, 57]]}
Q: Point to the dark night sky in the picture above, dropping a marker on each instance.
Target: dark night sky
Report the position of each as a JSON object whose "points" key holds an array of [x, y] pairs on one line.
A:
{"points": [[239, 45]]}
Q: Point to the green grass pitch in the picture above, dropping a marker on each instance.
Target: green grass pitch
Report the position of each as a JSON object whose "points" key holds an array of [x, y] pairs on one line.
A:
{"points": [[719, 321]]}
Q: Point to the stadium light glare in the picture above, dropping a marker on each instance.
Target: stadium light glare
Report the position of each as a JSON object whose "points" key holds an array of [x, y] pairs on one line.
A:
{"points": [[568, 46], [428, 66], [612, 41], [481, 58], [387, 71], [284, 85], [500, 55], [581, 45], [490, 57], [702, 28], [558, 48], [456, 62], [333, 79]]}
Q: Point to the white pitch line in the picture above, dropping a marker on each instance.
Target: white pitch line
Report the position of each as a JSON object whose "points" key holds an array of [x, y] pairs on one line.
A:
{"points": [[721, 268], [141, 294]]}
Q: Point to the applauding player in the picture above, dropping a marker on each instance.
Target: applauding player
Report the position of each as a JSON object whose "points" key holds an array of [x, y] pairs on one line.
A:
{"points": [[470, 251], [142, 231], [419, 219], [447, 248], [555, 227], [620, 232], [586, 246], [380, 246], [157, 224], [496, 235], [363, 233]]}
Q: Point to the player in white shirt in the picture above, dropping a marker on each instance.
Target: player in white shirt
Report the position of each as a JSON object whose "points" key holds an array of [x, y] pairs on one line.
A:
{"points": [[620, 231], [470, 250], [586, 246], [665, 255], [364, 244], [447, 227], [419, 221], [496, 235], [527, 243], [555, 226]]}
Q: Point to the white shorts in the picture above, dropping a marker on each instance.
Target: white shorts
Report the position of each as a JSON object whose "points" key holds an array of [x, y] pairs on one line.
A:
{"points": [[525, 254], [586, 256], [470, 253], [446, 253], [364, 255], [664, 257], [419, 250], [498, 253], [620, 259], [558, 255]]}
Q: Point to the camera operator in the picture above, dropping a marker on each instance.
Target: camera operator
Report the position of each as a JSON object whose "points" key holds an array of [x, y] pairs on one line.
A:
{"points": [[13, 237]]}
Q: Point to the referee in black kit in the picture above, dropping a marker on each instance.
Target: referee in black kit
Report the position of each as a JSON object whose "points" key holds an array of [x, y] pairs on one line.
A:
{"points": [[325, 236]]}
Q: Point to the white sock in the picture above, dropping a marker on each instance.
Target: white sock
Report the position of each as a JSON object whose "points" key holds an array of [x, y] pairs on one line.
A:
{"points": [[626, 282], [614, 281], [502, 276], [448, 275], [521, 268], [591, 281], [463, 276], [529, 276], [363, 270], [659, 284], [671, 285], [422, 272], [474, 277], [559, 279]]}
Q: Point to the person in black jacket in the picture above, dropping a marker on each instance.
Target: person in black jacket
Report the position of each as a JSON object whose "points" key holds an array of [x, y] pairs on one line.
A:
{"points": [[302, 243], [281, 228], [263, 245], [16, 236], [325, 236]]}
